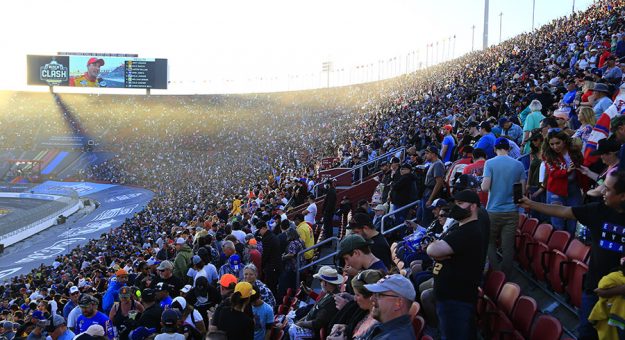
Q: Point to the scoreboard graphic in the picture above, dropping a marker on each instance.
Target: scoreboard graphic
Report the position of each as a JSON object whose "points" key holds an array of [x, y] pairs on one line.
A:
{"points": [[97, 71]]}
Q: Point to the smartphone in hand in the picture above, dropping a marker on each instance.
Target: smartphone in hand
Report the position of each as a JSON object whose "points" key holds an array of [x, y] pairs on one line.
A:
{"points": [[517, 189]]}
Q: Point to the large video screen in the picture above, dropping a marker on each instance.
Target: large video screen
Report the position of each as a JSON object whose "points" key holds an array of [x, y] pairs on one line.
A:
{"points": [[97, 71]]}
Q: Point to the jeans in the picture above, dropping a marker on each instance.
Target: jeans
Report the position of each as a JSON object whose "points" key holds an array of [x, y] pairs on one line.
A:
{"points": [[540, 199], [456, 320], [585, 330], [426, 214], [502, 224], [573, 199]]}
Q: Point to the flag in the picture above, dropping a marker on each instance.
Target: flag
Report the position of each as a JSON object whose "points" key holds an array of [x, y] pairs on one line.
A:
{"points": [[602, 127]]}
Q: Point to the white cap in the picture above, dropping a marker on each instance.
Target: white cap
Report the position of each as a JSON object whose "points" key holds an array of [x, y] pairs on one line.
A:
{"points": [[186, 289], [73, 289], [180, 240]]}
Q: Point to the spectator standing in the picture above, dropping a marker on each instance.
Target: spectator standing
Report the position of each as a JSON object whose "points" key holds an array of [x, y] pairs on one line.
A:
{"points": [[271, 257], [263, 317], [532, 122], [487, 140], [458, 269], [403, 192], [500, 174], [562, 162], [604, 220], [449, 143], [433, 183], [329, 207]]}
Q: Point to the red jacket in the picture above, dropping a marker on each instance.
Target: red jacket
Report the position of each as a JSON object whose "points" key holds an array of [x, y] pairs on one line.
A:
{"points": [[558, 177]]}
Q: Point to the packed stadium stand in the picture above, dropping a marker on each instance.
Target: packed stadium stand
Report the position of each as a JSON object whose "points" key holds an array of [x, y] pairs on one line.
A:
{"points": [[345, 189]]}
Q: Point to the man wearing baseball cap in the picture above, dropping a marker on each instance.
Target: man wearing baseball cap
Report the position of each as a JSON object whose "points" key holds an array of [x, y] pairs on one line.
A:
{"points": [[448, 145], [460, 258], [166, 275], [91, 316], [392, 298], [89, 78]]}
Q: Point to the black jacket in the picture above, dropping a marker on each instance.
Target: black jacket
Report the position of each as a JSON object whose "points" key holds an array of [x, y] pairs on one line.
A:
{"points": [[404, 191], [271, 257], [329, 204]]}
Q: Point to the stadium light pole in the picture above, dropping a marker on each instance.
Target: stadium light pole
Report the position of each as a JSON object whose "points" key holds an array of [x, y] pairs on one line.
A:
{"points": [[448, 47], [533, 11], [485, 37], [500, 24], [573, 8], [472, 37], [453, 51]]}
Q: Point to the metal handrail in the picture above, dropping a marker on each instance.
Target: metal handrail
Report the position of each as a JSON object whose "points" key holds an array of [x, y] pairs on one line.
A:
{"points": [[313, 263], [409, 205], [359, 167]]}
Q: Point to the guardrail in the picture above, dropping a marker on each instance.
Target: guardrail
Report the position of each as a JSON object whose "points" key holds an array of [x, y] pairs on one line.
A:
{"points": [[317, 261], [359, 168], [394, 212], [43, 213]]}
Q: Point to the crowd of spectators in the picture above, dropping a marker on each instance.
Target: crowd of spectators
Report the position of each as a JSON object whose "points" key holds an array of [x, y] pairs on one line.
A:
{"points": [[214, 254]]}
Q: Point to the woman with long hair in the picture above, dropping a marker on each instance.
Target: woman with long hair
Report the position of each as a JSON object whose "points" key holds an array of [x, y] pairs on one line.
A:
{"points": [[562, 162], [608, 151], [587, 117]]}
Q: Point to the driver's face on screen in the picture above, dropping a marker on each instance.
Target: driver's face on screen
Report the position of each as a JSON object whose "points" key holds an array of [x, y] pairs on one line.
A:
{"points": [[93, 69]]}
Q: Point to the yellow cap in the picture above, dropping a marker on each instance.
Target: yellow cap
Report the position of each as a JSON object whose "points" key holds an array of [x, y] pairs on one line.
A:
{"points": [[245, 289]]}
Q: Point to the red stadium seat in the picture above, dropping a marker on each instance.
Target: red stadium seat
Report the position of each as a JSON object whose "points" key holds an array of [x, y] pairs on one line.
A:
{"points": [[556, 259], [492, 287], [507, 298], [559, 263], [529, 227], [522, 219], [558, 241], [523, 314], [577, 251], [494, 282], [546, 327], [426, 337], [541, 235], [574, 287]]}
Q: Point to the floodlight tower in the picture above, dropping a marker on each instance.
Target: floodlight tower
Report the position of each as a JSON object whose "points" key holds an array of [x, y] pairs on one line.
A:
{"points": [[485, 37]]}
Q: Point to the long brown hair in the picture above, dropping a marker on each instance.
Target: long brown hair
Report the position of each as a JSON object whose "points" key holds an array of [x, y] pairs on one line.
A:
{"points": [[551, 156]]}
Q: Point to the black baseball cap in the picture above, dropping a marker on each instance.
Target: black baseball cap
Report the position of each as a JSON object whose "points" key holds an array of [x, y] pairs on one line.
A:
{"points": [[359, 220], [469, 196], [606, 145]]}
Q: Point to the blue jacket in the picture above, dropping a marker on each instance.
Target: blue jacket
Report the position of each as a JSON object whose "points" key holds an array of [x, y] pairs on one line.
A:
{"points": [[111, 296], [398, 328], [487, 143]]}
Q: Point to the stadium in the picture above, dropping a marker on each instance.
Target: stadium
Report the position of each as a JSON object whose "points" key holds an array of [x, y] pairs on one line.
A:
{"points": [[452, 190]]}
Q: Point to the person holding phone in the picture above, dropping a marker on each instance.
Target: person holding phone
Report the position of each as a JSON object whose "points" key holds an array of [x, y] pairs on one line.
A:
{"points": [[562, 161], [500, 174]]}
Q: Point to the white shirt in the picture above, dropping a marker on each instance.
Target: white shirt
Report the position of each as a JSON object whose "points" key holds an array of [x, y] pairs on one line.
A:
{"points": [[312, 213], [196, 316], [240, 235]]}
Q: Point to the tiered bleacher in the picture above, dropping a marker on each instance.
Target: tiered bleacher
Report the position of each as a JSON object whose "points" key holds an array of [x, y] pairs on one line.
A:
{"points": [[260, 197]]}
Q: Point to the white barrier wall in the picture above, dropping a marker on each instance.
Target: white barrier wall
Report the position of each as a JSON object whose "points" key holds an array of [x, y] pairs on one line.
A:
{"points": [[39, 226]]}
